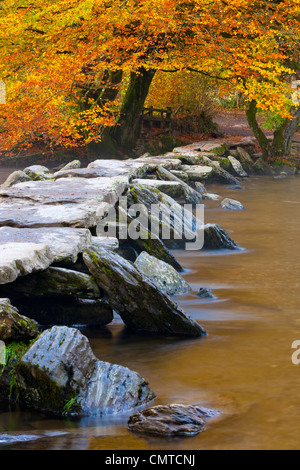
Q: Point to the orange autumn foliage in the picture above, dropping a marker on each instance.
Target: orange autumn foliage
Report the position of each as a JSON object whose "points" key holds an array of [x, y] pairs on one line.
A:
{"points": [[46, 49]]}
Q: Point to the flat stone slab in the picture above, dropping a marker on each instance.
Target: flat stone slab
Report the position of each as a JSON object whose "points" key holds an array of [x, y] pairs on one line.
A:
{"points": [[198, 172], [172, 188], [113, 168], [69, 190], [23, 251], [19, 259], [162, 160], [23, 213]]}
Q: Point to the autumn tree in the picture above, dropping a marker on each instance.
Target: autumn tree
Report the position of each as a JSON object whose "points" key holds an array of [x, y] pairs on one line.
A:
{"points": [[65, 63]]}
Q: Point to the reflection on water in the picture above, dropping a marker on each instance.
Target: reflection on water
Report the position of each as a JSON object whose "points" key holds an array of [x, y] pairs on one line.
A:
{"points": [[242, 368]]}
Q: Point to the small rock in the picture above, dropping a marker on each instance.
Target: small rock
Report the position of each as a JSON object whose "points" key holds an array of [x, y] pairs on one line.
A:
{"points": [[169, 420], [231, 204], [200, 188], [205, 293], [236, 187], [210, 196]]}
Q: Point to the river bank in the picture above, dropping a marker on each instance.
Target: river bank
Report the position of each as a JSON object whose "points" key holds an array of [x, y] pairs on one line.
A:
{"points": [[189, 309]]}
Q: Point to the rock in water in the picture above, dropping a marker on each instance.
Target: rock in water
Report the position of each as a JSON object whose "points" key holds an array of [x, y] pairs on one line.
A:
{"points": [[215, 237], [136, 298], [13, 326], [169, 420], [60, 374], [232, 205], [205, 293], [164, 276], [237, 167]]}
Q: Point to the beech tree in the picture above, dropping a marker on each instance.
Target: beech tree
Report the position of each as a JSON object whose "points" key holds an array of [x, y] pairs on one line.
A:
{"points": [[67, 63]]}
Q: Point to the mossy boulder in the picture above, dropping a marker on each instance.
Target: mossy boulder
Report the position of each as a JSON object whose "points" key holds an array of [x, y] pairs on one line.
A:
{"points": [[164, 276], [58, 282], [13, 326], [59, 374], [38, 173]]}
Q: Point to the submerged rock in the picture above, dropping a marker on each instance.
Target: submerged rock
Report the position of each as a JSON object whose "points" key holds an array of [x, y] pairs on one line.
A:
{"points": [[164, 276], [13, 326], [141, 305], [215, 237], [170, 420], [60, 374], [232, 205], [205, 293]]}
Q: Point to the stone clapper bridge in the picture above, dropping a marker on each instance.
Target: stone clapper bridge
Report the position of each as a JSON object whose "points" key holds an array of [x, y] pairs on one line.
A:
{"points": [[54, 270]]}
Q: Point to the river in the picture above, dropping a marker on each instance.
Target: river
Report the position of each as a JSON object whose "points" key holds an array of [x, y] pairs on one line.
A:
{"points": [[242, 367]]}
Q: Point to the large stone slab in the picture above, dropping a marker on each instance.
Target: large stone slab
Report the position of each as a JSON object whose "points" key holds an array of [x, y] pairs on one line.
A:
{"points": [[19, 259], [23, 213], [23, 251], [58, 281], [153, 311], [198, 172], [69, 190], [217, 147], [165, 161], [116, 168]]}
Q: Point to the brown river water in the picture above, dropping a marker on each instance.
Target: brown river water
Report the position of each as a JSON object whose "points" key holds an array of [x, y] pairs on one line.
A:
{"points": [[242, 368]]}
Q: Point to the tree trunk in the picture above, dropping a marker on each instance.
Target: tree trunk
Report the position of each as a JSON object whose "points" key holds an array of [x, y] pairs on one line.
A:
{"points": [[102, 94], [127, 131], [283, 136], [258, 133]]}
